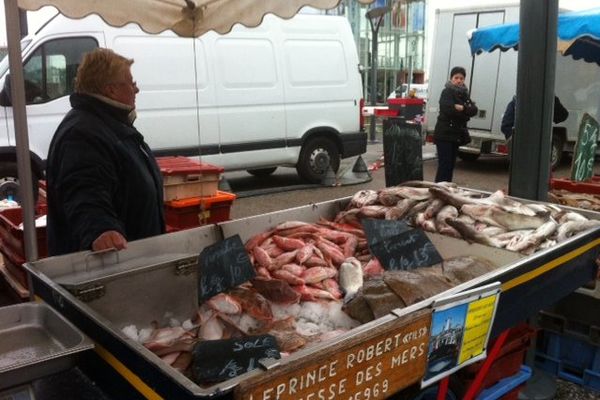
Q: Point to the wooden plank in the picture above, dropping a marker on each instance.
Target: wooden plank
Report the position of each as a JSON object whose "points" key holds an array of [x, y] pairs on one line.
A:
{"points": [[371, 365]]}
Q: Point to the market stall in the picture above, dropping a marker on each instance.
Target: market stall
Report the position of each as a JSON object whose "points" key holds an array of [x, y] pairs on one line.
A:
{"points": [[161, 277]]}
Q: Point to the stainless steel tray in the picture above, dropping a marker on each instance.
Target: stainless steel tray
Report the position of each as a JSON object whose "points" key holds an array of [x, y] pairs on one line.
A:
{"points": [[36, 341]]}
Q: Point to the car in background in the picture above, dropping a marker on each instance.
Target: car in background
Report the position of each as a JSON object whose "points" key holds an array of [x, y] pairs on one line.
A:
{"points": [[402, 91]]}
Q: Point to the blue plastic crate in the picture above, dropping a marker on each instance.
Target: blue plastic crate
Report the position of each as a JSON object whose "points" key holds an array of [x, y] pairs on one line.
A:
{"points": [[506, 385], [569, 358]]}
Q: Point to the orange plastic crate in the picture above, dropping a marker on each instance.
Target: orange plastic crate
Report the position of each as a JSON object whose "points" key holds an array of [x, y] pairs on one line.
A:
{"points": [[197, 211]]}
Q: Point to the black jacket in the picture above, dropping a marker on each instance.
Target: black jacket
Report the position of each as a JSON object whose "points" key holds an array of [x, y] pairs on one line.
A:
{"points": [[101, 176], [508, 119], [452, 124]]}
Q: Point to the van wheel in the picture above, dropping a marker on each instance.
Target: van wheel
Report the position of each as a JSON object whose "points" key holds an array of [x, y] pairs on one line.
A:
{"points": [[261, 172], [316, 155], [468, 157], [9, 182], [556, 151]]}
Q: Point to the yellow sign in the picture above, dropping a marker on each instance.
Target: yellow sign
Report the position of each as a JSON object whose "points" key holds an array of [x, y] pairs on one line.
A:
{"points": [[477, 326]]}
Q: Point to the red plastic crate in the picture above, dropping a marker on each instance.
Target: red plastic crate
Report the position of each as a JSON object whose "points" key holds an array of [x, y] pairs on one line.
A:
{"points": [[14, 267], [183, 165], [591, 186], [509, 360], [386, 112], [197, 211], [12, 239]]}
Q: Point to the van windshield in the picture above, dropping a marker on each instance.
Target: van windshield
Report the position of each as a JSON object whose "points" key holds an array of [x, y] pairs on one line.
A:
{"points": [[4, 62]]}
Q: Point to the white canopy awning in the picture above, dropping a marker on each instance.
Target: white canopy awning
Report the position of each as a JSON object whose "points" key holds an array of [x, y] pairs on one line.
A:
{"points": [[187, 18]]}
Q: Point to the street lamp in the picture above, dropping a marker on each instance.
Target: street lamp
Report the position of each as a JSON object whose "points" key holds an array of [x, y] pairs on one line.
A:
{"points": [[375, 17]]}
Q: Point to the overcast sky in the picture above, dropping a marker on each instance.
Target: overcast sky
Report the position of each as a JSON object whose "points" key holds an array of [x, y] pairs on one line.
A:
{"points": [[37, 18]]}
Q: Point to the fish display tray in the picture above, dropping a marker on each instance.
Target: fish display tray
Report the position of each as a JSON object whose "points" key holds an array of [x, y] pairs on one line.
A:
{"points": [[146, 277], [36, 341]]}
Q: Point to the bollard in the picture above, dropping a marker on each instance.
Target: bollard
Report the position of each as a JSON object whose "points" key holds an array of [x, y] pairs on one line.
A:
{"points": [[402, 151]]}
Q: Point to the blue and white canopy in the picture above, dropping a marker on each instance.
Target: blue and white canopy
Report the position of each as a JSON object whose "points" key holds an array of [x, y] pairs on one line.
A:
{"points": [[578, 36]]}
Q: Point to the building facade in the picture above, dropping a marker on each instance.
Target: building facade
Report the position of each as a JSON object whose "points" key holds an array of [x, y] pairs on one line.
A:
{"points": [[401, 42]]}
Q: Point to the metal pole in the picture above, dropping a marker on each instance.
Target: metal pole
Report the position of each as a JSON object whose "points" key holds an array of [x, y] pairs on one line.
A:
{"points": [[13, 34], [530, 157], [374, 30]]}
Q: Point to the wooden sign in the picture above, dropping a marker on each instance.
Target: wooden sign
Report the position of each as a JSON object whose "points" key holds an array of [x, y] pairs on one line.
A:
{"points": [[223, 265], [407, 250], [372, 365], [585, 149], [378, 230], [219, 360]]}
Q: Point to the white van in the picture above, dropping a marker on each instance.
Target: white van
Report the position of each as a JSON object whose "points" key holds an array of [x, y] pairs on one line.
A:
{"points": [[286, 93]]}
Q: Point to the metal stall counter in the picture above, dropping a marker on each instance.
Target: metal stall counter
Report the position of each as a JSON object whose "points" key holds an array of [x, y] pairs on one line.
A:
{"points": [[158, 277]]}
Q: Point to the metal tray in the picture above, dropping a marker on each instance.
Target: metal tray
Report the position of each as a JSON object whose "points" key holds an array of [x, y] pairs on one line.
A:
{"points": [[36, 341]]}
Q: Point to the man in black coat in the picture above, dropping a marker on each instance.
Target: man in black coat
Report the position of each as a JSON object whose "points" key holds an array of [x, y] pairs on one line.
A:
{"points": [[456, 109], [508, 119], [104, 186]]}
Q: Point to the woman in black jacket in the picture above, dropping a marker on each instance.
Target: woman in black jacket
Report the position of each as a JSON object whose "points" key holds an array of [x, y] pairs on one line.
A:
{"points": [[456, 108], [104, 186]]}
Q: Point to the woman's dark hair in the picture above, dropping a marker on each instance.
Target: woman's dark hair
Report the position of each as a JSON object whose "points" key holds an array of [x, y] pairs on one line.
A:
{"points": [[458, 70]]}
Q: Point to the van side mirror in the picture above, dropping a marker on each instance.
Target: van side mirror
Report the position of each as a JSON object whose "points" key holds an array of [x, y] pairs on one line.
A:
{"points": [[5, 93]]}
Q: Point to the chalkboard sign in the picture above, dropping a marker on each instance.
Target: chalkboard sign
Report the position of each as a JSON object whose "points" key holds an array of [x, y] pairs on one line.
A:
{"points": [[585, 149], [405, 251], [402, 151], [223, 265], [377, 230], [219, 360]]}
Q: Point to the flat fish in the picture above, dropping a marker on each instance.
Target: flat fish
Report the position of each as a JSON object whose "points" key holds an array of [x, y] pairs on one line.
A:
{"points": [[465, 268], [380, 298], [407, 285], [359, 309]]}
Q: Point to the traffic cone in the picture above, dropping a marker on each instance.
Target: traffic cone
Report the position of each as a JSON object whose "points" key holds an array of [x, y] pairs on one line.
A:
{"points": [[358, 174], [329, 179], [224, 185]]}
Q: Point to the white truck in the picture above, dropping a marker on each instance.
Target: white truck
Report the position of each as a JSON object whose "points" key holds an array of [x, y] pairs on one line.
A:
{"points": [[492, 80], [286, 93]]}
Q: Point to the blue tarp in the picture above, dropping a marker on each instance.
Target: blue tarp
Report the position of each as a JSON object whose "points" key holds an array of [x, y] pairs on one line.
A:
{"points": [[578, 35]]}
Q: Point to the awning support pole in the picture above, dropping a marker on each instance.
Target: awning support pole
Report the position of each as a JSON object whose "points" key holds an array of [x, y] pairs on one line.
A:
{"points": [[13, 36]]}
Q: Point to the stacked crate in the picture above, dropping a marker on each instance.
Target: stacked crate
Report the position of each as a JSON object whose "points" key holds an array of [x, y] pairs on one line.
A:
{"points": [[12, 245], [191, 193], [569, 344], [507, 374]]}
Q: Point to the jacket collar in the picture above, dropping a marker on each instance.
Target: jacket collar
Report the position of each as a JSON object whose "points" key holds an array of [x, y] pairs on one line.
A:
{"points": [[102, 106]]}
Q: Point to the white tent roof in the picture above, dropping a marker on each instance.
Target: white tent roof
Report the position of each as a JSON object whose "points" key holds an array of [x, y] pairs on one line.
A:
{"points": [[188, 18]]}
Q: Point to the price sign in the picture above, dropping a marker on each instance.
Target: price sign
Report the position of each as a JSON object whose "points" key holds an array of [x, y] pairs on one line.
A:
{"points": [[219, 360], [406, 251], [223, 265]]}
